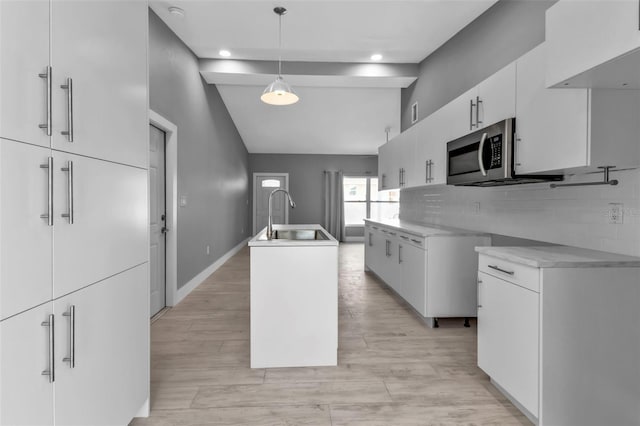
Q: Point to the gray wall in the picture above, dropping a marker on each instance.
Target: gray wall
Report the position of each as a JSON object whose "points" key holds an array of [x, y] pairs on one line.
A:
{"points": [[305, 177], [212, 159], [499, 36]]}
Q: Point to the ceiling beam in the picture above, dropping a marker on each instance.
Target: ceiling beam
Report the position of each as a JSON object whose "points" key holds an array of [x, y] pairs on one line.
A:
{"points": [[309, 74]]}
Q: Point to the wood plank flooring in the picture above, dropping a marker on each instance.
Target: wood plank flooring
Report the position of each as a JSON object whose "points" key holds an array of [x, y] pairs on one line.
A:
{"points": [[392, 370]]}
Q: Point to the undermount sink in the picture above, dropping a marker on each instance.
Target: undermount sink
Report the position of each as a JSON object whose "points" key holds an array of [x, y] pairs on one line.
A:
{"points": [[299, 234]]}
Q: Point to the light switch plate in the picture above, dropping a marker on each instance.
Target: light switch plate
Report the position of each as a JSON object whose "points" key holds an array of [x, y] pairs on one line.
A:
{"points": [[183, 201]]}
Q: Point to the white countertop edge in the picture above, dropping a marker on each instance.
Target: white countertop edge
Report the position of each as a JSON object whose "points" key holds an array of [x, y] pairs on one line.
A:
{"points": [[256, 242], [560, 257], [424, 230]]}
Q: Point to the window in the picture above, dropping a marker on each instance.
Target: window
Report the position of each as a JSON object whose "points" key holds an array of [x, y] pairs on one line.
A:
{"points": [[363, 201]]}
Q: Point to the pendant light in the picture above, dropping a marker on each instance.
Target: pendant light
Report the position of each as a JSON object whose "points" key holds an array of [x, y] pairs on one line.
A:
{"points": [[279, 92]]}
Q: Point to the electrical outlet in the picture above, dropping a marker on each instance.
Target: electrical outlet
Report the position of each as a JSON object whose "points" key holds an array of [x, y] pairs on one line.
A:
{"points": [[208, 249], [183, 201], [476, 207], [616, 213]]}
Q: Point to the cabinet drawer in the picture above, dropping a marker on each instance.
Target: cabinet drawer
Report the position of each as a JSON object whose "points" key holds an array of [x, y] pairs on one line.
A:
{"points": [[522, 275], [412, 240]]}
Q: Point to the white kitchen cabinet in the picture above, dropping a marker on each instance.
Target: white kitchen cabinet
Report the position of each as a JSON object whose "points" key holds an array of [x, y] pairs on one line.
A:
{"points": [[109, 81], [109, 229], [593, 44], [24, 49], [430, 159], [26, 238], [533, 342], [497, 97], [571, 128], [433, 269], [108, 340], [26, 395], [508, 317], [388, 177], [111, 351], [461, 113], [413, 273]]}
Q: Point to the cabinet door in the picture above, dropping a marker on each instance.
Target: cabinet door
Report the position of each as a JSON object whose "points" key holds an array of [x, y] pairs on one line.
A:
{"points": [[109, 229], [406, 157], [26, 395], [461, 114], [432, 152], [508, 326], [584, 34], [108, 383], [414, 278], [387, 167], [24, 49], [368, 248], [551, 125], [102, 46], [25, 237], [497, 97]]}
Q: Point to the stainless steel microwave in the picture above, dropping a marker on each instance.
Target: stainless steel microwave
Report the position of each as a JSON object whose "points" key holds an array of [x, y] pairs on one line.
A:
{"points": [[485, 158]]}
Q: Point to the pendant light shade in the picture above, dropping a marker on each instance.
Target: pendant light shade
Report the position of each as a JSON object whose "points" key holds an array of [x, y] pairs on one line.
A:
{"points": [[279, 92]]}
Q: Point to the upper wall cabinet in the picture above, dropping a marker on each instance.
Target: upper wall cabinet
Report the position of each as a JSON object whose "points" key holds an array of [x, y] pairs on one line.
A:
{"points": [[491, 101], [572, 128], [593, 44], [430, 166], [82, 89], [395, 160], [24, 71]]}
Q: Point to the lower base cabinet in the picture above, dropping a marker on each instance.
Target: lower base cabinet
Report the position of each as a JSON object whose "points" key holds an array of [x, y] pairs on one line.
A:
{"points": [[96, 360], [435, 272]]}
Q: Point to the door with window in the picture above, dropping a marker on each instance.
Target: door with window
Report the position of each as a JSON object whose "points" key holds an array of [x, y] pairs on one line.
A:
{"points": [[263, 185], [362, 200]]}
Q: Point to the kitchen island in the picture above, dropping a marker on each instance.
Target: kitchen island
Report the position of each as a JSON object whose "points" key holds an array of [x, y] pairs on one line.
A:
{"points": [[294, 297]]}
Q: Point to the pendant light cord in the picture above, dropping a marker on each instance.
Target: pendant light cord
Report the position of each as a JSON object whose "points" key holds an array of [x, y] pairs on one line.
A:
{"points": [[279, 45]]}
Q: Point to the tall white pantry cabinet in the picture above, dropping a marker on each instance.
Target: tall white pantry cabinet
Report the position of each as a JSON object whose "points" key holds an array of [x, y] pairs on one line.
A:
{"points": [[74, 310]]}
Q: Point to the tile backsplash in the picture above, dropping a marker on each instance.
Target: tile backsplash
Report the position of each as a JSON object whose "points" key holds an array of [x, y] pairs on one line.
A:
{"points": [[576, 216]]}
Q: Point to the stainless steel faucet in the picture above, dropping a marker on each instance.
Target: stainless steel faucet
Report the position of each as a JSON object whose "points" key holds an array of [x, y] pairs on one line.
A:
{"points": [[270, 220]]}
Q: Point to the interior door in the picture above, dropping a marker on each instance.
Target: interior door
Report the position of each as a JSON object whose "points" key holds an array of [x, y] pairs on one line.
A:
{"points": [[263, 186], [157, 219]]}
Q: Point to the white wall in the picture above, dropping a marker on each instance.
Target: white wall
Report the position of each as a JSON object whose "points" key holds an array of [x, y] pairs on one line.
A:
{"points": [[572, 216]]}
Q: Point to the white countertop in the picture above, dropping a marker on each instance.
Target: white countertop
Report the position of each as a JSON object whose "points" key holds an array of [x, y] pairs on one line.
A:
{"points": [[260, 240], [423, 230], [559, 257]]}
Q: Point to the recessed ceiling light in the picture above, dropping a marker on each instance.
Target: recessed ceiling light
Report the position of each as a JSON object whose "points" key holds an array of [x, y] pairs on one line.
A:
{"points": [[376, 57], [176, 11], [224, 53]]}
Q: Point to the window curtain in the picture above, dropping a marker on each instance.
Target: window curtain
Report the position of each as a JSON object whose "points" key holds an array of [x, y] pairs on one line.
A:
{"points": [[333, 214]]}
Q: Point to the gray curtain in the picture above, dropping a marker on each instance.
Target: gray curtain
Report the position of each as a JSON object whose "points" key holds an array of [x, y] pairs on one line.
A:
{"points": [[333, 214]]}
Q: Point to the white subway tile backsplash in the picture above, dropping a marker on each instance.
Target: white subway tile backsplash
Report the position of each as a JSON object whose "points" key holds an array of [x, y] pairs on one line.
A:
{"points": [[577, 216]]}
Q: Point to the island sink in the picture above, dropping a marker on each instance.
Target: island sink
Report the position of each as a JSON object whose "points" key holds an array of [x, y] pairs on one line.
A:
{"points": [[294, 297]]}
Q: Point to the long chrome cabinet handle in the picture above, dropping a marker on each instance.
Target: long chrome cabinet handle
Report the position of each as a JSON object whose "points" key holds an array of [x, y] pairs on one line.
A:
{"points": [[478, 102], [480, 162], [69, 170], [478, 295], [501, 270], [370, 241], [471, 123], [47, 76], [49, 214], [51, 371], [69, 88], [399, 253], [71, 359]]}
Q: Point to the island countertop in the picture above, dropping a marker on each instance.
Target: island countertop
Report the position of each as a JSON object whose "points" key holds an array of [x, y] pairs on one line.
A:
{"points": [[260, 239]]}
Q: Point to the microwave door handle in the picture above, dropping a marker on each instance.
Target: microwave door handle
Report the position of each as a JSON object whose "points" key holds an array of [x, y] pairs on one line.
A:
{"points": [[480, 149]]}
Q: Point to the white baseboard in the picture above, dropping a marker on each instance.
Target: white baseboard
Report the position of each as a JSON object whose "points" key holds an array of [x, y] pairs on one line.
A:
{"points": [[199, 279]]}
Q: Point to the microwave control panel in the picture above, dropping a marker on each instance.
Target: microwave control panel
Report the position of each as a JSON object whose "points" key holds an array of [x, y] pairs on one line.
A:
{"points": [[495, 145]]}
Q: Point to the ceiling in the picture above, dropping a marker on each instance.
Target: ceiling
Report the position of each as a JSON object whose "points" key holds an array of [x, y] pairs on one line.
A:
{"points": [[332, 117]]}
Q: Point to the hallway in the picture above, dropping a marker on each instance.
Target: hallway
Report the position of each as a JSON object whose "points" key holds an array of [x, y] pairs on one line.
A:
{"points": [[392, 370]]}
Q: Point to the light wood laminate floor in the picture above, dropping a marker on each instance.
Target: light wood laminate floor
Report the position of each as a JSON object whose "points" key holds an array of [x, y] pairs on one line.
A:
{"points": [[392, 370]]}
